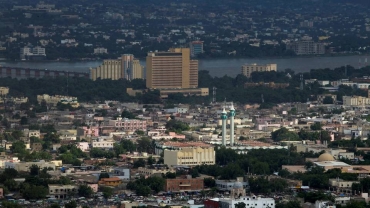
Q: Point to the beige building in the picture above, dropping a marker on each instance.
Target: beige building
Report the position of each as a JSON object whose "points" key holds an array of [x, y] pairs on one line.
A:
{"points": [[62, 191], [110, 69], [190, 156], [126, 67], [4, 90], [54, 100], [355, 101], [173, 69], [248, 69], [137, 70], [189, 91], [341, 186]]}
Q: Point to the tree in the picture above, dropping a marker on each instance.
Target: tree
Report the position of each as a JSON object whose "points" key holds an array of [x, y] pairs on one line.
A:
{"points": [[328, 100], [103, 175], [18, 147], [144, 144], [316, 126], [150, 160], [54, 206], [209, 182], [24, 120], [139, 163], [240, 205], [290, 204], [11, 184], [71, 204], [30, 191], [85, 191], [231, 171], [177, 126], [283, 134], [107, 192], [8, 204], [194, 173], [34, 170]]}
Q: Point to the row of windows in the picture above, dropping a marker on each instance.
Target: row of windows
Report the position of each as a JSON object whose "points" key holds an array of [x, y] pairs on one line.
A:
{"points": [[62, 190]]}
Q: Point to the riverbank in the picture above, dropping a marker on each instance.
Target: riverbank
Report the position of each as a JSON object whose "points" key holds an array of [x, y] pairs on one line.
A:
{"points": [[216, 67]]}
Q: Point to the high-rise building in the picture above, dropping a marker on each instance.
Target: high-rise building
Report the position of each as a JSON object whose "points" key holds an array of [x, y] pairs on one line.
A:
{"points": [[196, 47], [127, 62], [306, 46], [125, 67], [110, 69], [137, 70], [248, 69], [173, 69]]}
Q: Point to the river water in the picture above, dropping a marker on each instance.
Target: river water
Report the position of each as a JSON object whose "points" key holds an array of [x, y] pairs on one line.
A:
{"points": [[217, 67]]}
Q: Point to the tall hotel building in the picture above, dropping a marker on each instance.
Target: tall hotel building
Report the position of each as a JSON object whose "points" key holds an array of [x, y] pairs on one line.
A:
{"points": [[126, 67], [171, 70]]}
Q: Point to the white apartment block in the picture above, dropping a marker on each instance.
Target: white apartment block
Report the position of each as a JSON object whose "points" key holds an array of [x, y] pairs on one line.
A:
{"points": [[249, 201], [248, 69], [128, 124], [102, 143]]}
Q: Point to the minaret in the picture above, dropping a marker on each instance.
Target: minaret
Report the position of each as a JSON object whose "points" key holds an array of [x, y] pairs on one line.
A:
{"points": [[224, 117], [232, 115]]}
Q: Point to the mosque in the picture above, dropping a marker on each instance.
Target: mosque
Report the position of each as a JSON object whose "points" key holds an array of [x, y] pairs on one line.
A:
{"points": [[224, 117]]}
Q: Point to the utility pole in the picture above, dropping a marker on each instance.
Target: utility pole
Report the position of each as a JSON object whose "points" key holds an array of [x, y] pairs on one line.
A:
{"points": [[214, 95]]}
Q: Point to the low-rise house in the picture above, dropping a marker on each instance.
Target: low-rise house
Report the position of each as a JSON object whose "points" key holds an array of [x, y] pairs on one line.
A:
{"points": [[114, 181], [184, 184], [25, 166], [62, 191]]}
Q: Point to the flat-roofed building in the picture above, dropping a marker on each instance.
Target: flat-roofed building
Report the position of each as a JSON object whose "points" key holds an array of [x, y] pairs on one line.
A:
{"points": [[190, 156], [62, 191], [248, 69], [4, 90], [184, 184], [172, 69]]}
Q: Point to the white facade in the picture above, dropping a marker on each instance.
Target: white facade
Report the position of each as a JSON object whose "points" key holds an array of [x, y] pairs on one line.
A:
{"points": [[250, 202], [248, 69], [324, 204], [128, 124], [102, 143]]}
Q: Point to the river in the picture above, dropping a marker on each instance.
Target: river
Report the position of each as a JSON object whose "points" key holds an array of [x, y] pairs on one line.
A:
{"points": [[216, 67]]}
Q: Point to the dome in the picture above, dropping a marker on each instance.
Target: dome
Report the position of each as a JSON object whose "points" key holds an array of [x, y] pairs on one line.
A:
{"points": [[238, 185], [326, 157]]}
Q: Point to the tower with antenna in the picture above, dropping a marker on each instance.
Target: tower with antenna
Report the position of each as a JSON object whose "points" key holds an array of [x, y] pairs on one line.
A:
{"points": [[263, 100], [214, 95], [301, 78], [232, 115]]}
